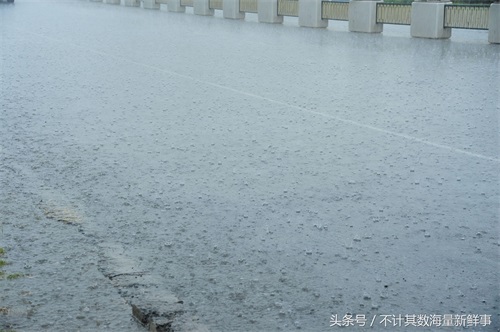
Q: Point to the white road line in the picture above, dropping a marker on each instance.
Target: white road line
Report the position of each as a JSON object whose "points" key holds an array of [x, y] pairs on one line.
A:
{"points": [[273, 101]]}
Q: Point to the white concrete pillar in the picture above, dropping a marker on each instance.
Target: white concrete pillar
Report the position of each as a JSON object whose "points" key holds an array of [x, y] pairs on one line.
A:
{"points": [[202, 7], [363, 16], [494, 24], [268, 11], [231, 9], [175, 6], [111, 2], [131, 3], [427, 20], [310, 14]]}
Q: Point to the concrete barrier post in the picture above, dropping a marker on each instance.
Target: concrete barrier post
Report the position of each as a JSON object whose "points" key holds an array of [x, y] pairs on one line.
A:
{"points": [[175, 6], [150, 4], [202, 7], [363, 16], [231, 9], [494, 23], [268, 11], [310, 14], [131, 3], [427, 20]]}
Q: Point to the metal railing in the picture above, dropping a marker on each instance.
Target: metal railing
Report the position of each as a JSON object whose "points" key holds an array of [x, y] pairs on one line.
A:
{"points": [[455, 16], [215, 4], [394, 13], [335, 10], [249, 6], [466, 17], [288, 7]]}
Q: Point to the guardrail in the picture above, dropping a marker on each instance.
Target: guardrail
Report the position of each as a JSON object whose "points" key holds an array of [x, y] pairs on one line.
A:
{"points": [[466, 16], [392, 13], [249, 6], [428, 19], [335, 10], [215, 4], [288, 8]]}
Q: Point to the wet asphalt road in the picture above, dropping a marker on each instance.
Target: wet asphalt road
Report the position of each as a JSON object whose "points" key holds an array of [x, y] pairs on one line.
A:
{"points": [[268, 176]]}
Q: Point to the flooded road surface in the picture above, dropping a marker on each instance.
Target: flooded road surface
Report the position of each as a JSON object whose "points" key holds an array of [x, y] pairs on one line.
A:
{"points": [[259, 177]]}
